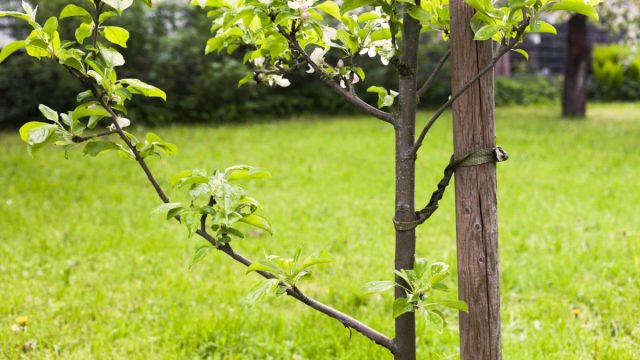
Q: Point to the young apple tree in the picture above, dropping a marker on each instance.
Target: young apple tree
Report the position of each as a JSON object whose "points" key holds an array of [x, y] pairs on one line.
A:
{"points": [[278, 37]]}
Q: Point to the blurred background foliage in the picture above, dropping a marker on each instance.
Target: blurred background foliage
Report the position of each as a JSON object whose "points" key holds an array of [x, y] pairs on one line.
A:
{"points": [[616, 70], [166, 49]]}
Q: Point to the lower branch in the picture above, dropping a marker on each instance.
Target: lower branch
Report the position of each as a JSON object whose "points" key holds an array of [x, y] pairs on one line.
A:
{"points": [[345, 319], [295, 293]]}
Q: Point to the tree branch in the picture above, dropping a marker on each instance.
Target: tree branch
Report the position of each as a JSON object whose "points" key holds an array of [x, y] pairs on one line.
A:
{"points": [[454, 97], [349, 96], [427, 85], [96, 23], [81, 139], [294, 292]]}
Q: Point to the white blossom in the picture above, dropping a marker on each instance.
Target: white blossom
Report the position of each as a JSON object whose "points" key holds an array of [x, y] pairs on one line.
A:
{"points": [[122, 123], [353, 78], [316, 57], [278, 80], [301, 5], [329, 34]]}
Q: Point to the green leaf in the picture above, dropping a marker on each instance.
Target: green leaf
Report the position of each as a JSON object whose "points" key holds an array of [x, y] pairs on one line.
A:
{"points": [[15, 14], [264, 266], [48, 112], [136, 86], [262, 290], [116, 35], [401, 306], [257, 221], [119, 5], [74, 11], [94, 148], [577, 6], [51, 25], [540, 26], [435, 317], [385, 98], [522, 52], [419, 14], [92, 108], [454, 304], [199, 255], [83, 31], [486, 32], [163, 208], [331, 8], [111, 57], [348, 5], [314, 260], [379, 286], [11, 48], [31, 125], [245, 172]]}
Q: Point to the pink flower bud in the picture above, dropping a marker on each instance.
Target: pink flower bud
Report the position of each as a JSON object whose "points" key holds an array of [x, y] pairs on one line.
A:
{"points": [[340, 63]]}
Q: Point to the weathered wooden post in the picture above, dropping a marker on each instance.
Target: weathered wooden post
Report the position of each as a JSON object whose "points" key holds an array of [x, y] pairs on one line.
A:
{"points": [[476, 205]]}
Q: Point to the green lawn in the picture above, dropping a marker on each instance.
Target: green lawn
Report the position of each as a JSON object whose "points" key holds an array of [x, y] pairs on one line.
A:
{"points": [[101, 276]]}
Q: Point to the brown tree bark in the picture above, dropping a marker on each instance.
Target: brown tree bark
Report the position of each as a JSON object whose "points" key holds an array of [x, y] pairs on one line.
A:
{"points": [[476, 203], [574, 98], [405, 325], [503, 67]]}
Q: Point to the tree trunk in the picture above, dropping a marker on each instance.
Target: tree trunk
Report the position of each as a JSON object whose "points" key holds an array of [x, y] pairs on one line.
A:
{"points": [[574, 98], [405, 325], [503, 67], [476, 204]]}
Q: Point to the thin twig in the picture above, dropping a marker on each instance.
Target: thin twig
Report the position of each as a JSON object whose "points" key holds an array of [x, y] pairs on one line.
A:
{"points": [[96, 23], [81, 139], [427, 85], [499, 53]]}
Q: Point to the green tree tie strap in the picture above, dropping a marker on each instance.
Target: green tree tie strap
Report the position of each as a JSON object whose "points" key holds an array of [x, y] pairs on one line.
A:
{"points": [[482, 156]]}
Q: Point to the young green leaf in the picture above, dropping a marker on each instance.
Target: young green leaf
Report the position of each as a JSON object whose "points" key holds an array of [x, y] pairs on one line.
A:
{"points": [[199, 255], [401, 306], [10, 48], [72, 10], [379, 286], [136, 86], [26, 129], [94, 148], [116, 35], [257, 221]]}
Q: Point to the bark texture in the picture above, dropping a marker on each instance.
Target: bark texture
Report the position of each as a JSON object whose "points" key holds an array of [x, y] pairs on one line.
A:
{"points": [[476, 203], [405, 325], [574, 97]]}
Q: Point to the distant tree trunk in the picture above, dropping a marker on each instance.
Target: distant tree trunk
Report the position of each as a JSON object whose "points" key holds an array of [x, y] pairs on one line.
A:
{"points": [[503, 67], [574, 98]]}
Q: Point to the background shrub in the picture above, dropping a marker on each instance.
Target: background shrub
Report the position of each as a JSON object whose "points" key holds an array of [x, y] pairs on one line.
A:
{"points": [[616, 71]]}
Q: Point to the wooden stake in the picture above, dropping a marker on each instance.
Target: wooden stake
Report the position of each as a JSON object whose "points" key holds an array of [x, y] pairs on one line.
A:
{"points": [[476, 204]]}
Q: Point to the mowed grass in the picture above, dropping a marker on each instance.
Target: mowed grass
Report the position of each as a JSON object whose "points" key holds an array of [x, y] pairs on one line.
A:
{"points": [[100, 276]]}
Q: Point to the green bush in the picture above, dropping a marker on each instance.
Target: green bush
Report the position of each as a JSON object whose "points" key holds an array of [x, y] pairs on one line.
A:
{"points": [[527, 89], [616, 71]]}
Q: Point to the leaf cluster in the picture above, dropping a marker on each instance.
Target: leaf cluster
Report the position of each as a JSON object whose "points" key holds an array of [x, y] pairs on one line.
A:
{"points": [[423, 287], [287, 273]]}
